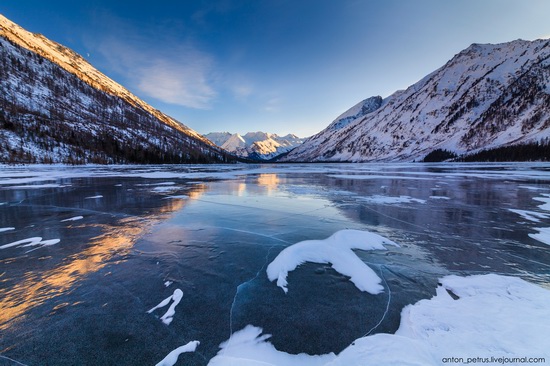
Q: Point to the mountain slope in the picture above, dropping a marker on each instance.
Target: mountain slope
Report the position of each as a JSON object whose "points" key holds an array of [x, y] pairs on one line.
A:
{"points": [[485, 97], [56, 107], [255, 145]]}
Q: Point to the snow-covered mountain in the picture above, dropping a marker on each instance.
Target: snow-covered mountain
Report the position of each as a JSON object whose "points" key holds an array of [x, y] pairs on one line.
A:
{"points": [[487, 96], [56, 107], [255, 145]]}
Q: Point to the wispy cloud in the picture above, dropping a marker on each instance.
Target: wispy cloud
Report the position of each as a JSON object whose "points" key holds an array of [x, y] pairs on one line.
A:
{"points": [[172, 71], [182, 84], [273, 105], [240, 88]]}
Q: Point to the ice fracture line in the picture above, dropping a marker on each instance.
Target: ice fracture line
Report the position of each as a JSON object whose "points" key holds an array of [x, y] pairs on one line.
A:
{"points": [[387, 304], [237, 294]]}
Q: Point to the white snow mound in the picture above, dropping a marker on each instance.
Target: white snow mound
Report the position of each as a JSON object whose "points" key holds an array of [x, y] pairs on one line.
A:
{"points": [[337, 250]]}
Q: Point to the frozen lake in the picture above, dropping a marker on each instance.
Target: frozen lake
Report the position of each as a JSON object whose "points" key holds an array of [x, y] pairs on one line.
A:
{"points": [[87, 254]]}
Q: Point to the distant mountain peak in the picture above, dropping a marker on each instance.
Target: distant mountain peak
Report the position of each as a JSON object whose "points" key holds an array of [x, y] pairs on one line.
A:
{"points": [[255, 145]]}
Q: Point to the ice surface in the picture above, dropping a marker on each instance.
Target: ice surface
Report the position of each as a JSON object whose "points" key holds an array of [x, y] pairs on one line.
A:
{"points": [[2, 229], [172, 357], [215, 240], [76, 218], [43, 173], [486, 316], [169, 315], [337, 250]]}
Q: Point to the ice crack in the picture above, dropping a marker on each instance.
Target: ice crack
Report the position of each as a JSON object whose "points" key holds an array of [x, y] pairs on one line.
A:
{"points": [[239, 287], [387, 304], [12, 360]]}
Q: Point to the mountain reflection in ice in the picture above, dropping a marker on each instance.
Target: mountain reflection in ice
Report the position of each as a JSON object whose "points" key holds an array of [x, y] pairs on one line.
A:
{"points": [[143, 233], [103, 238]]}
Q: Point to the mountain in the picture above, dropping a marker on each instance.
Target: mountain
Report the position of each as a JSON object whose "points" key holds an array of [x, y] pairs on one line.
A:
{"points": [[56, 107], [255, 145], [486, 97]]}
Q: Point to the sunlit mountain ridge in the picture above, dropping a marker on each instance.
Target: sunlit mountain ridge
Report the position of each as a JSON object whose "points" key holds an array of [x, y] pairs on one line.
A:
{"points": [[57, 108]]}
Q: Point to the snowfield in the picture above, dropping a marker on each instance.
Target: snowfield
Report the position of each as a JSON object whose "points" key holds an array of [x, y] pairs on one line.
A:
{"points": [[471, 319]]}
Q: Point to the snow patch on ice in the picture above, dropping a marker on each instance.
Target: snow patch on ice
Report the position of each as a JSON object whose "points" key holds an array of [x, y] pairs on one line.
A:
{"points": [[37, 186], [165, 189], [156, 184], [493, 313], [337, 250], [93, 197], [43, 243], [530, 215], [2, 229], [532, 188], [369, 176], [487, 316], [390, 200], [165, 184], [169, 315], [168, 283], [180, 197], [248, 347], [543, 235], [172, 357], [30, 242], [440, 198], [546, 200], [76, 218]]}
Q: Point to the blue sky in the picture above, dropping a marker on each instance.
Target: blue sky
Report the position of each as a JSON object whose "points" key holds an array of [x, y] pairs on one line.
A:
{"points": [[277, 66]]}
